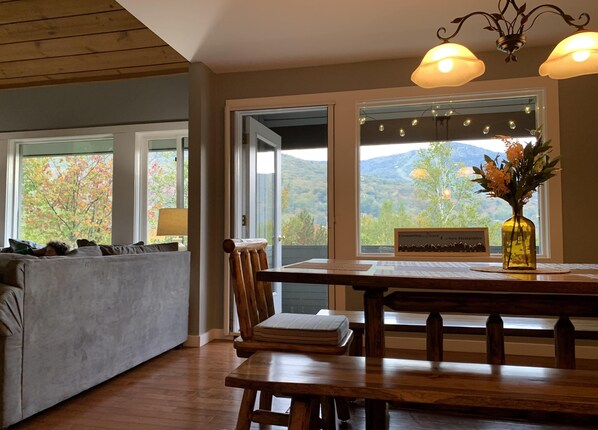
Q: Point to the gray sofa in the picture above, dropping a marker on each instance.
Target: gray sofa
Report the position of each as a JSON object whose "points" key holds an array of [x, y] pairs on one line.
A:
{"points": [[69, 323]]}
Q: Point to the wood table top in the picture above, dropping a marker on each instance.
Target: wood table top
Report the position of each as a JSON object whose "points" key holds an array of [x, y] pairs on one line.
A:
{"points": [[436, 275]]}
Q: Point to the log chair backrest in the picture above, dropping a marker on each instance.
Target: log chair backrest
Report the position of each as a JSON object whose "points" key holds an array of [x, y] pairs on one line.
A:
{"points": [[254, 300]]}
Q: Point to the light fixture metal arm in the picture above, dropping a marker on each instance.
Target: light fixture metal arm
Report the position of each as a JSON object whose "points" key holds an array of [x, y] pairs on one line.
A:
{"points": [[461, 20], [556, 11], [511, 37]]}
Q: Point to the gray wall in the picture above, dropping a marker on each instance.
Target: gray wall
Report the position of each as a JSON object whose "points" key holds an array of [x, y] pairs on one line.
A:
{"points": [[130, 101]]}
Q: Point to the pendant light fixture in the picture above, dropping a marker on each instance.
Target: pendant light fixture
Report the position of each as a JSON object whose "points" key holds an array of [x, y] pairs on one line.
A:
{"points": [[450, 64]]}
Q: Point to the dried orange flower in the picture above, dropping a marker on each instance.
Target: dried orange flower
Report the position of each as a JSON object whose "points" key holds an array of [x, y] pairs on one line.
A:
{"points": [[520, 173], [514, 152], [498, 179]]}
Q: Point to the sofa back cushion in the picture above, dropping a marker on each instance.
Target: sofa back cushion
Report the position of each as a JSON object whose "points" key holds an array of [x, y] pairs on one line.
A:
{"points": [[135, 248], [138, 249]]}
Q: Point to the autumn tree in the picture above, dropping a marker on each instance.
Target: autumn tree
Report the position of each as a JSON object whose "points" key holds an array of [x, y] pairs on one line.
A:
{"points": [[66, 198], [161, 189]]}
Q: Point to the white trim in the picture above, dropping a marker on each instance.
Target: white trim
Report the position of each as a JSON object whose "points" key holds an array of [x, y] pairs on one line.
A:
{"points": [[9, 178], [207, 337], [192, 341], [142, 139], [94, 131], [346, 149], [227, 215]]}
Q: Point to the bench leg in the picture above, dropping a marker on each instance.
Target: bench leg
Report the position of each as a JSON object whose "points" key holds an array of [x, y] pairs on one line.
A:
{"points": [[328, 413], [342, 408], [356, 348], [303, 416], [495, 340], [246, 410], [376, 417], [434, 337], [265, 401], [564, 343]]}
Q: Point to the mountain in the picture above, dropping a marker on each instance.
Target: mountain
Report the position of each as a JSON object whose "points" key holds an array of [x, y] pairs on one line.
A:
{"points": [[382, 179], [400, 166]]}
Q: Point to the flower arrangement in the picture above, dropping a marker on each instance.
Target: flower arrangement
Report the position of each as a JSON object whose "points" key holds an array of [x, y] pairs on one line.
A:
{"points": [[515, 178]]}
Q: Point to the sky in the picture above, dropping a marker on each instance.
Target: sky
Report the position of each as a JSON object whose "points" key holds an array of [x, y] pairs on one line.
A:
{"points": [[373, 151]]}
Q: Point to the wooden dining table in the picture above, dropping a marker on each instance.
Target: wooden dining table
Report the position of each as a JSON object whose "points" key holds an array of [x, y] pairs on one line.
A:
{"points": [[561, 290]]}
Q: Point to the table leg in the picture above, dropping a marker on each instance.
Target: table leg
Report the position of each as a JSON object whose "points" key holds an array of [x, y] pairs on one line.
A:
{"points": [[376, 417], [373, 305]]}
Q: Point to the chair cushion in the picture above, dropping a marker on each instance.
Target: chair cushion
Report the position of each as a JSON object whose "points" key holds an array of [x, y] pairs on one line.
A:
{"points": [[302, 329]]}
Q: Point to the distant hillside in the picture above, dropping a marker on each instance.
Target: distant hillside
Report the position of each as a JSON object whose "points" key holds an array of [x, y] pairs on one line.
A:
{"points": [[399, 166], [382, 178], [307, 183]]}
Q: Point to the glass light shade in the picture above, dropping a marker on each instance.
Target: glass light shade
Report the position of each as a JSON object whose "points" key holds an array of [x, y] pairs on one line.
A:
{"points": [[574, 56], [172, 222], [447, 65]]}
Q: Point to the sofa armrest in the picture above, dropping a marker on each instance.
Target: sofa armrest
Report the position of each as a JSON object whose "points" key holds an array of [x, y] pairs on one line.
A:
{"points": [[11, 353]]}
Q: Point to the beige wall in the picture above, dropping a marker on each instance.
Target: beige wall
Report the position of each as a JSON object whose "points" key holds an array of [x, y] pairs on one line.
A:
{"points": [[205, 205], [579, 149], [576, 114]]}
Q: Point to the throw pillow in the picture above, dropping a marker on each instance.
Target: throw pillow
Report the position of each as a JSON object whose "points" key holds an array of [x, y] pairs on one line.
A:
{"points": [[23, 246], [86, 251], [84, 242]]}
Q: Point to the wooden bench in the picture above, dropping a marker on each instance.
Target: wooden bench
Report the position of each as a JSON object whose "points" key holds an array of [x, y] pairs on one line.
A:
{"points": [[411, 322], [544, 392]]}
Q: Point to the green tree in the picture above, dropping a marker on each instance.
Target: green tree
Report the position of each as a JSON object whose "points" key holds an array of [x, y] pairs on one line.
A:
{"points": [[66, 198], [449, 196], [380, 230], [300, 229]]}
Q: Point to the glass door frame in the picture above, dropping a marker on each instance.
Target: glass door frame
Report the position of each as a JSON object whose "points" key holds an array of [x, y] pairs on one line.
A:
{"points": [[235, 110]]}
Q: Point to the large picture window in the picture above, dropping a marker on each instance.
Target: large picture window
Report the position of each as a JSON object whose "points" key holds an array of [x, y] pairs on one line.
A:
{"points": [[416, 166], [65, 190]]}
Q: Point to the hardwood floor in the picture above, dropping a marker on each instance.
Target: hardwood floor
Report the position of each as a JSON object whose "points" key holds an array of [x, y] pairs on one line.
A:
{"points": [[184, 389]]}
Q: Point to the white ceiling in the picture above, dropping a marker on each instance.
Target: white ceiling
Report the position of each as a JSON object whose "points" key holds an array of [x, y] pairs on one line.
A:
{"points": [[243, 35]]}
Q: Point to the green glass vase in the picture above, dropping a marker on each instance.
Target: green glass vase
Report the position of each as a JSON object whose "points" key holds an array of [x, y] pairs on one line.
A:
{"points": [[518, 243]]}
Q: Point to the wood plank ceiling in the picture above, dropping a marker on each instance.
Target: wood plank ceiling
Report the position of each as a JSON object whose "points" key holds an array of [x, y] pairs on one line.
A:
{"points": [[48, 42]]}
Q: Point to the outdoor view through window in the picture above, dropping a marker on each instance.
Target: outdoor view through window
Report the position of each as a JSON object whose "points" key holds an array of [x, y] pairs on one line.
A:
{"points": [[65, 190], [167, 181], [416, 166]]}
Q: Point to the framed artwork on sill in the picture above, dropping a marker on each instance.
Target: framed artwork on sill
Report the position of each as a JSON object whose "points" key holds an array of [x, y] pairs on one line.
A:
{"points": [[445, 242]]}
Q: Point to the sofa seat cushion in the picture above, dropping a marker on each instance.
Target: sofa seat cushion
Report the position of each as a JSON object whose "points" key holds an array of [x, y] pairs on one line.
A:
{"points": [[302, 329]]}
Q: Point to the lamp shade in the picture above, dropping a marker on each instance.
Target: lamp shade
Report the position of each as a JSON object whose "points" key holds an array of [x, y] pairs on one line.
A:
{"points": [[574, 56], [172, 222], [447, 65]]}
